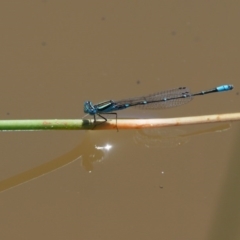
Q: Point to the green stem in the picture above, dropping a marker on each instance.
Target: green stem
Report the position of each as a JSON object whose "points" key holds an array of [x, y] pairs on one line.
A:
{"points": [[45, 124]]}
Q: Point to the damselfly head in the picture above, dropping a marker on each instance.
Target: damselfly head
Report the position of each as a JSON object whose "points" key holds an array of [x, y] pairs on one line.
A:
{"points": [[89, 108]]}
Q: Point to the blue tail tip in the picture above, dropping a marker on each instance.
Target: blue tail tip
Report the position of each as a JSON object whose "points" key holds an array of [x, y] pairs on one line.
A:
{"points": [[226, 87]]}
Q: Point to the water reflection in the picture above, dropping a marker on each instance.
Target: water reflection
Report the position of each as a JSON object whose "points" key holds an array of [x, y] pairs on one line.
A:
{"points": [[87, 152], [170, 137], [93, 154], [217, 129], [92, 150], [152, 138]]}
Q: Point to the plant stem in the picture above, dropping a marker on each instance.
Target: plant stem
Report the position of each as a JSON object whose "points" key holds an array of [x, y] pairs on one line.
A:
{"points": [[79, 124]]}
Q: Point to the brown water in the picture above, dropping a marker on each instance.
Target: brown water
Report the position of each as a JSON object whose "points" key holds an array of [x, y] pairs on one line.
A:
{"points": [[174, 183]]}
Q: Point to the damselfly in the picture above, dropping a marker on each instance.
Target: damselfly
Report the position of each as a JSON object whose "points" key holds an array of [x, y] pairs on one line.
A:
{"points": [[165, 99]]}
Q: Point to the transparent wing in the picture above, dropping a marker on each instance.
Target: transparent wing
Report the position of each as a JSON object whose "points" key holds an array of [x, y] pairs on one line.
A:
{"points": [[165, 99]]}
